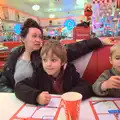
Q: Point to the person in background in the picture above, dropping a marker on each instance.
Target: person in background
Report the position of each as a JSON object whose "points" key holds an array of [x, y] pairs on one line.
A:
{"points": [[93, 35], [56, 76], [26, 57], [108, 83]]}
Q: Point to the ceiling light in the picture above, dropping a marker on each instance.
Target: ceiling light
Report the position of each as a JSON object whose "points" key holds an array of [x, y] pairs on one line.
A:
{"points": [[80, 2], [51, 15], [36, 7]]}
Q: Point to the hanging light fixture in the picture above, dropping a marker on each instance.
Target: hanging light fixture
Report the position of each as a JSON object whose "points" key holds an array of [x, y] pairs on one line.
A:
{"points": [[51, 15], [36, 7]]}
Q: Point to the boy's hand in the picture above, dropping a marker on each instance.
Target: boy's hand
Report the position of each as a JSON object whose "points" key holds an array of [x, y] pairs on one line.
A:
{"points": [[112, 82], [43, 98]]}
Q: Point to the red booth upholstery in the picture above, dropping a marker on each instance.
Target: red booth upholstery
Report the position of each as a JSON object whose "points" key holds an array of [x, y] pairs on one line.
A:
{"points": [[81, 33], [2, 63], [97, 63], [4, 53], [11, 45]]}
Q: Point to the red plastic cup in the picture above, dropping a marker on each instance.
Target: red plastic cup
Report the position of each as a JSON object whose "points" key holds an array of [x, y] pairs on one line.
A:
{"points": [[71, 102]]}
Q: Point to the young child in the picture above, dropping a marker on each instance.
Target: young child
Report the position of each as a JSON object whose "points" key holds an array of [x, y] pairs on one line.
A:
{"points": [[55, 77], [108, 83]]}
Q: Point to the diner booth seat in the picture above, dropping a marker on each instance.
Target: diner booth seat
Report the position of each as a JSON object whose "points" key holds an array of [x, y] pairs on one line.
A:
{"points": [[5, 52], [2, 63], [89, 66], [11, 44], [3, 58], [93, 64]]}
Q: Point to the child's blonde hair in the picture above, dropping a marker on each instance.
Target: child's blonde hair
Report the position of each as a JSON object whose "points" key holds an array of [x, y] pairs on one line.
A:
{"points": [[57, 48], [114, 48]]}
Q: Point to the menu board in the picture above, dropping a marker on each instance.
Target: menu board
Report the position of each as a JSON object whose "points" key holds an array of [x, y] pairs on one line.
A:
{"points": [[81, 33]]}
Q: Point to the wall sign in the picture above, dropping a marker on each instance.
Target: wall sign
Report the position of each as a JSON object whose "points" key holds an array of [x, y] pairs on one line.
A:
{"points": [[69, 24]]}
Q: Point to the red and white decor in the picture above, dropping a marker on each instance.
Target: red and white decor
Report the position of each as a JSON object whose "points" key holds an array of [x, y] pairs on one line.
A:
{"points": [[102, 1]]}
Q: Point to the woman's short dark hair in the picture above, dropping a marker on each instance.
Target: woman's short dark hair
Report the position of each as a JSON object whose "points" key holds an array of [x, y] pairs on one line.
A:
{"points": [[29, 23]]}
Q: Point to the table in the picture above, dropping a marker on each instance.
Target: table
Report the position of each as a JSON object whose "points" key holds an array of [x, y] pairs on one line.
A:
{"points": [[9, 104]]}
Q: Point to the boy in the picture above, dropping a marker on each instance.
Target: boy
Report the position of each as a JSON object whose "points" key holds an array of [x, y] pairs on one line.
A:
{"points": [[108, 83], [55, 77]]}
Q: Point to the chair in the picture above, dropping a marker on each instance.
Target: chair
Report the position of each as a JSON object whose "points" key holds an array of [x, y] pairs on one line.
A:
{"points": [[2, 63], [3, 55], [11, 44]]}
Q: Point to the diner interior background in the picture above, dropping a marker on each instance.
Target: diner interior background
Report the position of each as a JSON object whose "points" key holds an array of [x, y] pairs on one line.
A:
{"points": [[58, 17]]}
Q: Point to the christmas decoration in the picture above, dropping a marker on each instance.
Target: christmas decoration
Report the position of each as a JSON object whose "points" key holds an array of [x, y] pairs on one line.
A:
{"points": [[88, 11]]}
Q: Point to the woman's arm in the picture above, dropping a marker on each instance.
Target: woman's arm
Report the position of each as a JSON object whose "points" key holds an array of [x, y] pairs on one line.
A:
{"points": [[7, 81], [81, 48]]}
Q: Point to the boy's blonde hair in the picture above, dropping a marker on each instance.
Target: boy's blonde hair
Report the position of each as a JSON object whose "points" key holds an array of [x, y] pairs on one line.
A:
{"points": [[57, 48], [114, 48]]}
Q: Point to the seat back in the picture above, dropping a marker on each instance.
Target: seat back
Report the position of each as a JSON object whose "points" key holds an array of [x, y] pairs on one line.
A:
{"points": [[11, 44], [4, 55], [98, 62]]}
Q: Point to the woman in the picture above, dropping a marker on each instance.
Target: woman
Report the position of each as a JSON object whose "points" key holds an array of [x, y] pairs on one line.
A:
{"points": [[27, 59]]}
